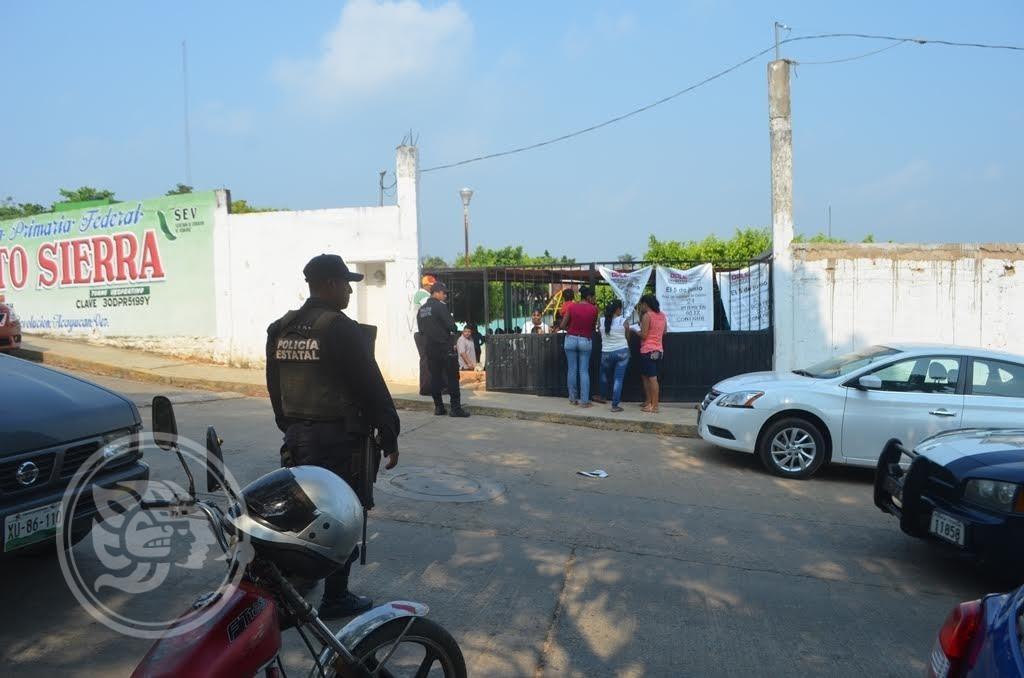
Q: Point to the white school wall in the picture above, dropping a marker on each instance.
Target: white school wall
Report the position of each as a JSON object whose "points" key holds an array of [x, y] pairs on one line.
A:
{"points": [[258, 272], [257, 278], [843, 297]]}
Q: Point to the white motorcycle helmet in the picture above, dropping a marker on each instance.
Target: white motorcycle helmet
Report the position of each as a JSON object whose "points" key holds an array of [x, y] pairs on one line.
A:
{"points": [[305, 519]]}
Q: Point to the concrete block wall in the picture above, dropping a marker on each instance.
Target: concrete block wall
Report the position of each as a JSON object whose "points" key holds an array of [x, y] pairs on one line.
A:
{"points": [[842, 297]]}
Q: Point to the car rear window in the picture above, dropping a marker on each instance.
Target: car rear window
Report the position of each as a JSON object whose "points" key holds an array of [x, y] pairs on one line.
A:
{"points": [[997, 378]]}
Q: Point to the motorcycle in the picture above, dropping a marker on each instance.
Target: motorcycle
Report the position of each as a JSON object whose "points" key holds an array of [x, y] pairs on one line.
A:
{"points": [[243, 638]]}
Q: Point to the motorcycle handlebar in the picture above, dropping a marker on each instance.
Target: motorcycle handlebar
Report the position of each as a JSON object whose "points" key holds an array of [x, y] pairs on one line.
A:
{"points": [[214, 516]]}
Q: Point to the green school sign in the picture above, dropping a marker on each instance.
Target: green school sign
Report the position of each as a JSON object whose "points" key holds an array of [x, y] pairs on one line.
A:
{"points": [[124, 269]]}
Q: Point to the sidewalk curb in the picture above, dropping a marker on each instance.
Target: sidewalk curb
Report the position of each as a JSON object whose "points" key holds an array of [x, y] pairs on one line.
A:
{"points": [[599, 423], [107, 370], [411, 404]]}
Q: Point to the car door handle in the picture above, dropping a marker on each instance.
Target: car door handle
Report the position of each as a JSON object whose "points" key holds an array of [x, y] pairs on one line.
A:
{"points": [[943, 413]]}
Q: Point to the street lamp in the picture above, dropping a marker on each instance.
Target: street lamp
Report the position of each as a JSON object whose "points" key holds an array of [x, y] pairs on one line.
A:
{"points": [[467, 194]]}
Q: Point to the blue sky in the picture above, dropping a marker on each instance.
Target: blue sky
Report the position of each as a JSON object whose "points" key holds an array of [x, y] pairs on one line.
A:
{"points": [[299, 105]]}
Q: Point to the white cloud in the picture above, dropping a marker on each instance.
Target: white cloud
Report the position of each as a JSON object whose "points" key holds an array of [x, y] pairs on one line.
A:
{"points": [[603, 28], [381, 44]]}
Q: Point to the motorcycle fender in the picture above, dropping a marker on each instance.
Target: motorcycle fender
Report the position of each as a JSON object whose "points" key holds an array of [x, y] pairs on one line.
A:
{"points": [[365, 624], [359, 628]]}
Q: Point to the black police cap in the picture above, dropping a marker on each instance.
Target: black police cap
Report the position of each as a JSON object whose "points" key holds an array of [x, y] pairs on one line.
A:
{"points": [[328, 266]]}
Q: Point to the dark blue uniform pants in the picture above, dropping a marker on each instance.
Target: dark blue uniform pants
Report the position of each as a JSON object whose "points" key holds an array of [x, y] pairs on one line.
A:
{"points": [[329, 445]]}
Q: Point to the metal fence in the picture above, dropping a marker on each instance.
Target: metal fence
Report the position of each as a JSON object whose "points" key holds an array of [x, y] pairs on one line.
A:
{"points": [[502, 298]]}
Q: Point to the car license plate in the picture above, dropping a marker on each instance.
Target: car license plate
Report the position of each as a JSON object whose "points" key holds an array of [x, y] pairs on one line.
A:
{"points": [[29, 527], [948, 528]]}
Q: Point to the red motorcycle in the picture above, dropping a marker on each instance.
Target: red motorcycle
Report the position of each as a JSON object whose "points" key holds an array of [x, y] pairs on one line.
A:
{"points": [[243, 636]]}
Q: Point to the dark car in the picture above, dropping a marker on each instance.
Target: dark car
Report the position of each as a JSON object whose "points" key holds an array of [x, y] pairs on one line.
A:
{"points": [[981, 638], [962, 488], [50, 424]]}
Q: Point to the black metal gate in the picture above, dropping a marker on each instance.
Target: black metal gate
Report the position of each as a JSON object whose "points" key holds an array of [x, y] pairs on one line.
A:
{"points": [[530, 363], [693, 362]]}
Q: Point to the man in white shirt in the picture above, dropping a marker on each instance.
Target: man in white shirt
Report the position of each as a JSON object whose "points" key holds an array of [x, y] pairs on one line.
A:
{"points": [[536, 324], [466, 350]]}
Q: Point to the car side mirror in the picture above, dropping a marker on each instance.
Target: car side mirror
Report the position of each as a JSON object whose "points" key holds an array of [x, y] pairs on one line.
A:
{"points": [[165, 426], [870, 382]]}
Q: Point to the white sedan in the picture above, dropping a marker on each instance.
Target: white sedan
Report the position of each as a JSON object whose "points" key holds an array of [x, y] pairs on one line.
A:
{"points": [[845, 409]]}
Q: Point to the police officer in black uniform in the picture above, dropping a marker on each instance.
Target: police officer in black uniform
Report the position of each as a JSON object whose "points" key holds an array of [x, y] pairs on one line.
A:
{"points": [[439, 336], [328, 397]]}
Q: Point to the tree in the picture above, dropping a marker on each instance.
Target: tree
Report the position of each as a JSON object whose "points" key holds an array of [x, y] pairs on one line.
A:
{"points": [[626, 258], [507, 256], [746, 244], [817, 238], [434, 262], [180, 189], [243, 207], [11, 210], [85, 193]]}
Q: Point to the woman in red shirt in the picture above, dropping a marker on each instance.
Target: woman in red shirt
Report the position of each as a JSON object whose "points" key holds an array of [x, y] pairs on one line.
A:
{"points": [[579, 322]]}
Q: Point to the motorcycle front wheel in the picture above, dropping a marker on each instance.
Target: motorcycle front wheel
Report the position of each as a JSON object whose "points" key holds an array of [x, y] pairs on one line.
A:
{"points": [[426, 649]]}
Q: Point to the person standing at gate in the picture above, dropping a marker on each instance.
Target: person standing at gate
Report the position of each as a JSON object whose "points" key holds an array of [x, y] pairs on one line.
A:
{"points": [[467, 352], [579, 323], [614, 354], [652, 350], [536, 324], [418, 299], [439, 336]]}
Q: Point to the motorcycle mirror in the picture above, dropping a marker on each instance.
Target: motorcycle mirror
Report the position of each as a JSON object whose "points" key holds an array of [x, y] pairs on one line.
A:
{"points": [[214, 461], [165, 426]]}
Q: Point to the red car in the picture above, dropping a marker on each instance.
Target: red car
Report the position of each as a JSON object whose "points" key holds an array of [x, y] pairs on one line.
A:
{"points": [[10, 327]]}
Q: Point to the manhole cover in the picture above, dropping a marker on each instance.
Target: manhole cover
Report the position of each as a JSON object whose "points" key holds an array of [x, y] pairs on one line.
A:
{"points": [[438, 484]]}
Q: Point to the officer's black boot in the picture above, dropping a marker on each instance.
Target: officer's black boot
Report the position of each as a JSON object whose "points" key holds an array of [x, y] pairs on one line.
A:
{"points": [[457, 410], [338, 600], [439, 410]]}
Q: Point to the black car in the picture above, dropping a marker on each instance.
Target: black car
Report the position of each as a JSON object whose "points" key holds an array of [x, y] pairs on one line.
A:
{"points": [[962, 488], [50, 424]]}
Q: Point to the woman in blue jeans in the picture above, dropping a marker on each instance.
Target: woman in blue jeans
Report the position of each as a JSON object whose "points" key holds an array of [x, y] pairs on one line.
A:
{"points": [[579, 322], [614, 353]]}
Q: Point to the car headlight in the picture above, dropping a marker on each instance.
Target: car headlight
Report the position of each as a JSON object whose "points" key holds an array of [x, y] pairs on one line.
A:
{"points": [[739, 399], [119, 444], [994, 494]]}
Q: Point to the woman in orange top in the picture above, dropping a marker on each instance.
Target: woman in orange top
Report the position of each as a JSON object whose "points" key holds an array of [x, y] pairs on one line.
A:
{"points": [[652, 329]]}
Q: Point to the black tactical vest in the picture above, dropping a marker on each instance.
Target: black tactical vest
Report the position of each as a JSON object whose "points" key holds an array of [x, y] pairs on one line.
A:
{"points": [[310, 389]]}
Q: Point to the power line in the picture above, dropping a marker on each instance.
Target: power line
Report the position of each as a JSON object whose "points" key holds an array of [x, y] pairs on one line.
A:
{"points": [[716, 76], [852, 58]]}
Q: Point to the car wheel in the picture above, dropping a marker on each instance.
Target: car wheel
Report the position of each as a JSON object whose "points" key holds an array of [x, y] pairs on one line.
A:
{"points": [[793, 448]]}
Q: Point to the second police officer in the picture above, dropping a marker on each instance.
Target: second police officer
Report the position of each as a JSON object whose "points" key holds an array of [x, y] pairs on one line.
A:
{"points": [[439, 335]]}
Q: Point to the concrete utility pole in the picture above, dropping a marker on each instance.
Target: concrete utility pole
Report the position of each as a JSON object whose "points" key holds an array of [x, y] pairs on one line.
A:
{"points": [[466, 194], [781, 130]]}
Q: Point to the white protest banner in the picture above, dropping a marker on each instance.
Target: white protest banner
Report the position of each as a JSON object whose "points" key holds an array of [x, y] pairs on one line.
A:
{"points": [[687, 298], [745, 297], [628, 287]]}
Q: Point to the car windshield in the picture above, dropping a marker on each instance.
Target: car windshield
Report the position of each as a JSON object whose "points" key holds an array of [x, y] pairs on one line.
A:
{"points": [[844, 364]]}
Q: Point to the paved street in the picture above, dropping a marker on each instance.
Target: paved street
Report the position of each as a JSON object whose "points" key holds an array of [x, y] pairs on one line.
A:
{"points": [[685, 561]]}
